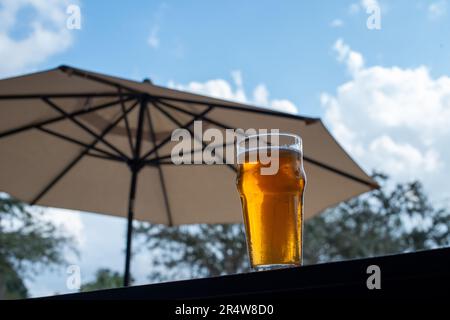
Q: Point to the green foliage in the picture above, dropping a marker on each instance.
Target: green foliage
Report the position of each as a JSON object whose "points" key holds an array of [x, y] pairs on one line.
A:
{"points": [[390, 220], [28, 243], [104, 279], [396, 218], [11, 284], [195, 251]]}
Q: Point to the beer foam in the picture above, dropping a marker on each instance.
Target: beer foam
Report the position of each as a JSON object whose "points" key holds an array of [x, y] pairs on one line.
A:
{"points": [[285, 148], [241, 156]]}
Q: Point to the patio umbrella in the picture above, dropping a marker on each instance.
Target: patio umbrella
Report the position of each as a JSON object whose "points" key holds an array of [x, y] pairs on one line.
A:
{"points": [[81, 140]]}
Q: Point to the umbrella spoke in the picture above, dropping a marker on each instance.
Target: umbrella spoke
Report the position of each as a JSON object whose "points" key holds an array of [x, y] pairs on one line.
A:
{"points": [[195, 137], [79, 157], [66, 95], [100, 156], [157, 159], [160, 172], [168, 156], [75, 141], [205, 145], [60, 118], [84, 127], [340, 172], [168, 138], [87, 75], [127, 124], [237, 108], [169, 105]]}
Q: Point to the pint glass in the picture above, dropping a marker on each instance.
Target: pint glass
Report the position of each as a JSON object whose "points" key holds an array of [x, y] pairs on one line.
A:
{"points": [[272, 200]]}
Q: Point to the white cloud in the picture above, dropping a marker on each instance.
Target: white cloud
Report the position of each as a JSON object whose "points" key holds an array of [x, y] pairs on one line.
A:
{"points": [[178, 49], [354, 8], [69, 222], [392, 119], [437, 9], [237, 78], [220, 88], [48, 34], [283, 106], [364, 6], [368, 4], [261, 95], [354, 60], [153, 38], [402, 156], [336, 23]]}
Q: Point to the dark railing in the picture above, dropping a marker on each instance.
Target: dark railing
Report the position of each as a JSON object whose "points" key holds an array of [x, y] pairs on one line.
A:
{"points": [[422, 274]]}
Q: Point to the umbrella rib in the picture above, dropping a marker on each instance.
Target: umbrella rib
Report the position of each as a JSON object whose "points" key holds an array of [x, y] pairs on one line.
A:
{"points": [[204, 146], [157, 159], [340, 172], [154, 161], [80, 73], [75, 141], [168, 138], [306, 158], [192, 113], [238, 108], [99, 156], [127, 124], [60, 118], [168, 115], [78, 158], [84, 127], [160, 172], [66, 95]]}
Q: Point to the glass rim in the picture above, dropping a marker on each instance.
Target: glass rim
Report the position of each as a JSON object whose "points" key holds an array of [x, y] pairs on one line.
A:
{"points": [[298, 142], [285, 134]]}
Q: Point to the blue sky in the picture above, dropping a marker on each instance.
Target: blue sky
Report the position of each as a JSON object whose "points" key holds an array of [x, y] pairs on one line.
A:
{"points": [[385, 94], [286, 45]]}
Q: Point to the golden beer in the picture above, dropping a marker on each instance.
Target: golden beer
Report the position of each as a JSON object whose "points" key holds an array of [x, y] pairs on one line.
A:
{"points": [[273, 209]]}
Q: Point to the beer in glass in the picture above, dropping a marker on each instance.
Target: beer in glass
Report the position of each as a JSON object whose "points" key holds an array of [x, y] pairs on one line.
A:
{"points": [[272, 202]]}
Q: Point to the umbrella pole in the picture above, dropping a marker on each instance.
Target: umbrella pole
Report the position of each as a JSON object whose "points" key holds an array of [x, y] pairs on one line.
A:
{"points": [[126, 278], [135, 166]]}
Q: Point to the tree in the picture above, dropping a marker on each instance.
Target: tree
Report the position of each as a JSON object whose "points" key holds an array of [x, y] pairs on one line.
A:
{"points": [[104, 279], [28, 243], [11, 284], [395, 218], [195, 251]]}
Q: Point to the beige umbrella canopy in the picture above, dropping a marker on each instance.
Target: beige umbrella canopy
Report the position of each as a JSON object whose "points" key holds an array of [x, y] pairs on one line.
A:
{"points": [[81, 140]]}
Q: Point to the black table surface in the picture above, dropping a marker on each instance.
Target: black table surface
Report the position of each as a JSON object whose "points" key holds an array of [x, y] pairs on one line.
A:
{"points": [[420, 274]]}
